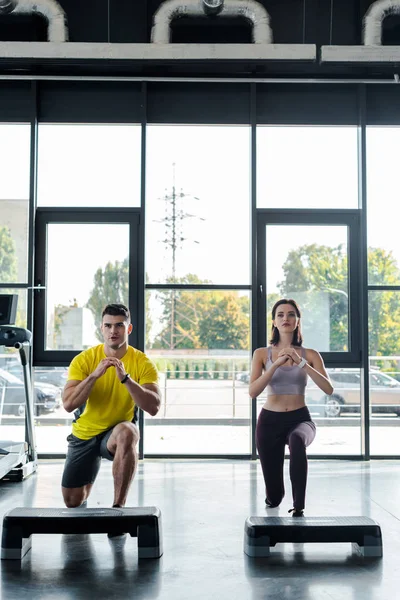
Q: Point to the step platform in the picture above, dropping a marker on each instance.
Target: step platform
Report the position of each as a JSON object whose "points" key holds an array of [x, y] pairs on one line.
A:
{"points": [[262, 533], [19, 524]]}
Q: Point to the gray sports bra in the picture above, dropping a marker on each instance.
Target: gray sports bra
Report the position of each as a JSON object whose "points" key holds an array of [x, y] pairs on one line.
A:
{"points": [[286, 380]]}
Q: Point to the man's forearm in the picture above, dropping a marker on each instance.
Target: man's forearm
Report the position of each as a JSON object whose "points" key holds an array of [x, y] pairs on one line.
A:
{"points": [[147, 400], [76, 396]]}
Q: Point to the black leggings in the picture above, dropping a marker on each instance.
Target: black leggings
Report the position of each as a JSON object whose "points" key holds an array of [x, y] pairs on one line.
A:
{"points": [[275, 430]]}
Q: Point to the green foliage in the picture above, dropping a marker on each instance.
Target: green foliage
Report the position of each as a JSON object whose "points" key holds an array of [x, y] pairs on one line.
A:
{"points": [[217, 368], [224, 322], [196, 372], [8, 259], [315, 268], [177, 371], [187, 371], [205, 371], [204, 319], [110, 285]]}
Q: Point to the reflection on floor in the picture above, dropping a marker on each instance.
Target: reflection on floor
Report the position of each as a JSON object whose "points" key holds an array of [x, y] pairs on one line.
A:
{"points": [[204, 505]]}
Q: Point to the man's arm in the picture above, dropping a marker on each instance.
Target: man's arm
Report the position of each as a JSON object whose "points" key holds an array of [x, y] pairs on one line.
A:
{"points": [[146, 396], [77, 392]]}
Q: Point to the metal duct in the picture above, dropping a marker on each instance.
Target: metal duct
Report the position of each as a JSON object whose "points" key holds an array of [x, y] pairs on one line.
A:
{"points": [[374, 18], [250, 10], [7, 6], [57, 30], [213, 7]]}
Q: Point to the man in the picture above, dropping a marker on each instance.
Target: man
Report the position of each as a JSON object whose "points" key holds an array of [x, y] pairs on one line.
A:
{"points": [[105, 386]]}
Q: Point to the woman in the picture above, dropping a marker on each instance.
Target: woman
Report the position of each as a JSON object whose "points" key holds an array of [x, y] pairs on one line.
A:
{"points": [[283, 368]]}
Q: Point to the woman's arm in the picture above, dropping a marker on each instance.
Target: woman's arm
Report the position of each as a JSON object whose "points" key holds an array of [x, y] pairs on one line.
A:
{"points": [[315, 368], [259, 379]]}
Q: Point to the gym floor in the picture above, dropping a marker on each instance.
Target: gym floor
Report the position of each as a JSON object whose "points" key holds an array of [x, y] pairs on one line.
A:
{"points": [[204, 505]]}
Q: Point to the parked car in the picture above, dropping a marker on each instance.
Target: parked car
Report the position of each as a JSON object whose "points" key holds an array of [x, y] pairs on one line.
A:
{"points": [[243, 376], [55, 375], [46, 397], [384, 393]]}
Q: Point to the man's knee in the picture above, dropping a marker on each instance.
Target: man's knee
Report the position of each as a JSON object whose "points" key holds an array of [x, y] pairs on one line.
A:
{"points": [[127, 435], [74, 497]]}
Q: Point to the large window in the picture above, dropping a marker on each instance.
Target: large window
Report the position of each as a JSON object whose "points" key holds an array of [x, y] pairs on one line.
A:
{"points": [[14, 202], [89, 165], [181, 252], [383, 297], [198, 205], [307, 167], [80, 284], [384, 370], [310, 263], [200, 342], [14, 226], [383, 144], [85, 259], [198, 225]]}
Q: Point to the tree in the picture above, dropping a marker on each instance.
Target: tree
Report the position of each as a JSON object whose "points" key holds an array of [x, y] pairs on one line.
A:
{"points": [[110, 285], [224, 321], [8, 259], [203, 319], [316, 268], [311, 268], [180, 316], [383, 307]]}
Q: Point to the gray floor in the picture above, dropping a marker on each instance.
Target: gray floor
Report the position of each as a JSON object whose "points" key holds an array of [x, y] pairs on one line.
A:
{"points": [[204, 505]]}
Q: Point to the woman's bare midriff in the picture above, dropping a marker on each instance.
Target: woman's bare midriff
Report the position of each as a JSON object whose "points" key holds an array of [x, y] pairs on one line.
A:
{"points": [[284, 402]]}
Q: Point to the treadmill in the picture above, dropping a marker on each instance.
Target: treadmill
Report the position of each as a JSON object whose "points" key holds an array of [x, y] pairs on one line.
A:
{"points": [[18, 460]]}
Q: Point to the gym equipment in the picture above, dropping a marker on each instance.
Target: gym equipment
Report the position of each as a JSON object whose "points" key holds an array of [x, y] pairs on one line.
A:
{"points": [[8, 308], [260, 533], [19, 459], [20, 523]]}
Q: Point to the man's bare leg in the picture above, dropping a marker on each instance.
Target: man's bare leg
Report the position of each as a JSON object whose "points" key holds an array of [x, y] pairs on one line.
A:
{"points": [[74, 497], [122, 444]]}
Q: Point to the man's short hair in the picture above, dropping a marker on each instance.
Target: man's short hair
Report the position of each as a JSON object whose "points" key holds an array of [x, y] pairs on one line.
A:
{"points": [[117, 310]]}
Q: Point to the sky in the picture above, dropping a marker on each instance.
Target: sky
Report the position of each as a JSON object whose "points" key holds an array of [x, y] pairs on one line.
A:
{"points": [[91, 165]]}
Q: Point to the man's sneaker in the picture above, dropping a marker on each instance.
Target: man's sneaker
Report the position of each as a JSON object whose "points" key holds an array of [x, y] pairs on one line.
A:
{"points": [[120, 534]]}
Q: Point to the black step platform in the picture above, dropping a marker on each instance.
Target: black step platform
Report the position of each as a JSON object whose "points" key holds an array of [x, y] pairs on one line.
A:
{"points": [[20, 523], [260, 533]]}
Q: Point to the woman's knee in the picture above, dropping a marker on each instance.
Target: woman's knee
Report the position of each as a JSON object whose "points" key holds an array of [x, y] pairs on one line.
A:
{"points": [[296, 440]]}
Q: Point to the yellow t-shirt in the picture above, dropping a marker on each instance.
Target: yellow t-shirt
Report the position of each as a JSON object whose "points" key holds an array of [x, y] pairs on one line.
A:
{"points": [[109, 402]]}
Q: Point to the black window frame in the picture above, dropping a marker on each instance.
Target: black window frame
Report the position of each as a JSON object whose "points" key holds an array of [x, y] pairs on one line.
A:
{"points": [[46, 216], [350, 218]]}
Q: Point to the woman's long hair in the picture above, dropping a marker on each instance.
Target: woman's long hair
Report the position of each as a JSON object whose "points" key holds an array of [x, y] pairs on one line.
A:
{"points": [[297, 339]]}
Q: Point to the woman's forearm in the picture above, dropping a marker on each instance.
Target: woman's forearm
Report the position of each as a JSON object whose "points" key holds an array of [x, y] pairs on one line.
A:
{"points": [[320, 380], [258, 386]]}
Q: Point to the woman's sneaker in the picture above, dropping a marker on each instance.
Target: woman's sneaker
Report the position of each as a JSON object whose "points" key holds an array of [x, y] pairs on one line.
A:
{"points": [[296, 513], [269, 504]]}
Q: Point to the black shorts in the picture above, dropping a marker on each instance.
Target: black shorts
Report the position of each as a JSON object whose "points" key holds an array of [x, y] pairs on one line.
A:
{"points": [[83, 459]]}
